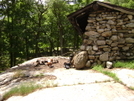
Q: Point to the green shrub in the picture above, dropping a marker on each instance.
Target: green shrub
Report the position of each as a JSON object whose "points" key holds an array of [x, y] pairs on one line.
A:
{"points": [[126, 64]]}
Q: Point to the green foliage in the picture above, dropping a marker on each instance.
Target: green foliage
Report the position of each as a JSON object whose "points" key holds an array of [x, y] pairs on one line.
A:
{"points": [[30, 28], [22, 90], [97, 68], [126, 64], [124, 3]]}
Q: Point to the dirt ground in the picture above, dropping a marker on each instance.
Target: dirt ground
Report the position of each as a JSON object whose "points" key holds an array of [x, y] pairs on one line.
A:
{"points": [[75, 85]]}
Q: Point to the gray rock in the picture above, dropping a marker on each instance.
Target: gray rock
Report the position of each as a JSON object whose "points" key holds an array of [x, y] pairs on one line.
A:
{"points": [[129, 40], [91, 57], [110, 17], [88, 27], [114, 38], [100, 30], [111, 22], [115, 48], [89, 48], [121, 41], [107, 34], [130, 17], [91, 20], [125, 48], [130, 25], [107, 49], [91, 33], [85, 41], [95, 48], [114, 44], [88, 64], [82, 47], [104, 56], [108, 42], [132, 30], [109, 64], [101, 42], [80, 59]]}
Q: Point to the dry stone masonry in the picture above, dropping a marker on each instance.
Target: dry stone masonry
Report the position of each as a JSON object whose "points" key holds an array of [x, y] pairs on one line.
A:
{"points": [[109, 36]]}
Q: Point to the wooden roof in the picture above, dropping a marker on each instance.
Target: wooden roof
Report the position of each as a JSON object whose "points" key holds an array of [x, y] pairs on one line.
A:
{"points": [[79, 18]]}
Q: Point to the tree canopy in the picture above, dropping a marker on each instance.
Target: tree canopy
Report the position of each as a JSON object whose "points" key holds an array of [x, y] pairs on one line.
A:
{"points": [[32, 28], [124, 3]]}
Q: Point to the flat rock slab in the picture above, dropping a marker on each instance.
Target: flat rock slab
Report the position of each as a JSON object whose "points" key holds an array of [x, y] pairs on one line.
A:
{"points": [[74, 77], [126, 76], [109, 91]]}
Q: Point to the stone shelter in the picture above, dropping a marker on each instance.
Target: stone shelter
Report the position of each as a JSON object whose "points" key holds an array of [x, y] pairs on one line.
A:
{"points": [[107, 31]]}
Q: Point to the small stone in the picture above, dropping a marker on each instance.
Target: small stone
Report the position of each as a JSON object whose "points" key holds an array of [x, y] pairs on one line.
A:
{"points": [[89, 48], [101, 38], [88, 64], [125, 48], [90, 51], [89, 42], [121, 35], [110, 17], [90, 21], [95, 47], [108, 26], [88, 28], [105, 46], [130, 25], [91, 57], [108, 42], [82, 47], [104, 56], [98, 53], [111, 58], [91, 33], [132, 30], [102, 22], [109, 64], [99, 19], [132, 21], [107, 34], [114, 38], [114, 44], [85, 41], [101, 42], [111, 22], [129, 40], [115, 48], [130, 17], [121, 41], [107, 49], [100, 30], [107, 29]]}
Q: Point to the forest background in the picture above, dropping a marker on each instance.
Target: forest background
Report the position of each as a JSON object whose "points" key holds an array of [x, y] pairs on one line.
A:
{"points": [[33, 28]]}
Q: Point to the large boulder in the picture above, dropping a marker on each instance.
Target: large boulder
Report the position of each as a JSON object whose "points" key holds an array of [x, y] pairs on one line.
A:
{"points": [[80, 59]]}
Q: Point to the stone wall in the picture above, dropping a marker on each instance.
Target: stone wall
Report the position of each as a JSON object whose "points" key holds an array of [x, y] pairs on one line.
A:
{"points": [[109, 36]]}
